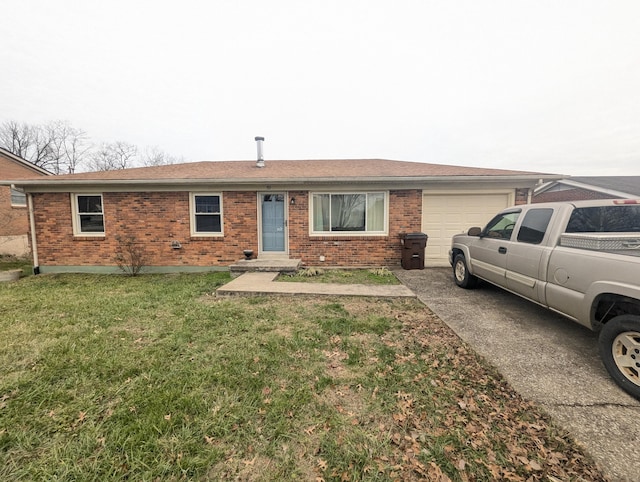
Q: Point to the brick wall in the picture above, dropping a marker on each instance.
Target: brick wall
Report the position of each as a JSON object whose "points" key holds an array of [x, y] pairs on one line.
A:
{"points": [[14, 221], [522, 196], [158, 218], [155, 219], [405, 215]]}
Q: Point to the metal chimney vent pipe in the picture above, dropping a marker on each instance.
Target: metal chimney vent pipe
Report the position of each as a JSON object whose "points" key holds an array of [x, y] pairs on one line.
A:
{"points": [[260, 162]]}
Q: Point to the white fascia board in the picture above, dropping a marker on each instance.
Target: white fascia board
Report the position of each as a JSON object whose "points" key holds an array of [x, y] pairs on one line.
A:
{"points": [[57, 185], [588, 187]]}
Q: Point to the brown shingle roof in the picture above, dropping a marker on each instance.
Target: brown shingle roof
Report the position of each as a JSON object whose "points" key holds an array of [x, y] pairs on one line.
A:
{"points": [[337, 169]]}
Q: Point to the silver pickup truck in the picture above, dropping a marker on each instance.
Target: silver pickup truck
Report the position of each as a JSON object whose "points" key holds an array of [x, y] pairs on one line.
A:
{"points": [[580, 259]]}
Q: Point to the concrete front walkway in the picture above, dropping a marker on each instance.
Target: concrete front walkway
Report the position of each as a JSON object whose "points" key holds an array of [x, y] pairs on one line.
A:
{"points": [[262, 283]]}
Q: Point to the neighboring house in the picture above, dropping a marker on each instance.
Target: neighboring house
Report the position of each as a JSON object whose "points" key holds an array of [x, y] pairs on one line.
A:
{"points": [[14, 220], [589, 187], [202, 215]]}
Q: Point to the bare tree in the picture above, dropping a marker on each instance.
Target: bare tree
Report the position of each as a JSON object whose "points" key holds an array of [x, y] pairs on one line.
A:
{"points": [[69, 147], [113, 156], [154, 156], [56, 146], [30, 142], [63, 149]]}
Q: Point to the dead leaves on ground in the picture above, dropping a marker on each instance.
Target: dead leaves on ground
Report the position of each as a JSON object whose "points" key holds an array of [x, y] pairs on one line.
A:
{"points": [[458, 420]]}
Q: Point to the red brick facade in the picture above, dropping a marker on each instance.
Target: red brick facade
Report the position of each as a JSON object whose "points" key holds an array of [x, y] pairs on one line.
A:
{"points": [[522, 196], [157, 219], [405, 215], [14, 220]]}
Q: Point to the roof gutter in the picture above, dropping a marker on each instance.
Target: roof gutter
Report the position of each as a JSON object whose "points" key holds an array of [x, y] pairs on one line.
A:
{"points": [[57, 183]]}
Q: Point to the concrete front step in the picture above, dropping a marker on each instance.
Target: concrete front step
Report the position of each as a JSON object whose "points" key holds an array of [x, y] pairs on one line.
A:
{"points": [[264, 265]]}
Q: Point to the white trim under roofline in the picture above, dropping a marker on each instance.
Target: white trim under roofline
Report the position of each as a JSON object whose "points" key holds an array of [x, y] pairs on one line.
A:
{"points": [[53, 184], [580, 185]]}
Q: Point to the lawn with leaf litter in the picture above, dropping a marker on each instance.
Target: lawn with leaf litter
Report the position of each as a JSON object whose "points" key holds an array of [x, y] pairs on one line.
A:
{"points": [[154, 378]]}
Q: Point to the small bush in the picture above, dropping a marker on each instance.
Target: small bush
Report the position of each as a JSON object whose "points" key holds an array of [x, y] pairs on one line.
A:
{"points": [[130, 256], [384, 271], [311, 272]]}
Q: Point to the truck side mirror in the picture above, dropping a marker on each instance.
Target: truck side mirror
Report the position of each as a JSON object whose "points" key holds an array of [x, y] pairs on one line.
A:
{"points": [[474, 231]]}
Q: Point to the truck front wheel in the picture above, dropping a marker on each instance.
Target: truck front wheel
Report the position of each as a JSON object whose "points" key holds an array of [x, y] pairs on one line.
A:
{"points": [[620, 351], [461, 274]]}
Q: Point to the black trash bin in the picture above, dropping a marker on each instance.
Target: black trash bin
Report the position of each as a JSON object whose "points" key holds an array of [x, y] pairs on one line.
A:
{"points": [[413, 245]]}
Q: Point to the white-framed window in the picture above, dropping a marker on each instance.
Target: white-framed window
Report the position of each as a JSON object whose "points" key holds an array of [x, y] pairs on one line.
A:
{"points": [[88, 214], [18, 198], [363, 213], [206, 214]]}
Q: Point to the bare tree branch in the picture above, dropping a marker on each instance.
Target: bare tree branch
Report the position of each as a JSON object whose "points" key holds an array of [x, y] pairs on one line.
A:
{"points": [[63, 149], [69, 147], [113, 156], [56, 146], [154, 156], [29, 142]]}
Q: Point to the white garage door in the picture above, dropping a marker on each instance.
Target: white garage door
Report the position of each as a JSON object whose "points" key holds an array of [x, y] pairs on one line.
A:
{"points": [[444, 215]]}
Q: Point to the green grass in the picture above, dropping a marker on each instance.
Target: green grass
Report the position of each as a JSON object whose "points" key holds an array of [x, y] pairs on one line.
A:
{"points": [[377, 276], [154, 378]]}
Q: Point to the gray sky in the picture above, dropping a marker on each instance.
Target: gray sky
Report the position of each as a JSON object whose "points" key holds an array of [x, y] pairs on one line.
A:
{"points": [[551, 86]]}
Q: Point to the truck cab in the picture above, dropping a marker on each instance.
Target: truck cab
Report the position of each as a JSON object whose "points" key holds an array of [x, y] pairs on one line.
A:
{"points": [[511, 250]]}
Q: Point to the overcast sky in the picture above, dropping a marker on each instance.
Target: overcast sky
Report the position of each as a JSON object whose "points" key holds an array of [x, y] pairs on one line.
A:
{"points": [[548, 86]]}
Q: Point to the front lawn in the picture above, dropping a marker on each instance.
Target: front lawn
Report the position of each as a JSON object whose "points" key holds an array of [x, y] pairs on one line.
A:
{"points": [[154, 378]]}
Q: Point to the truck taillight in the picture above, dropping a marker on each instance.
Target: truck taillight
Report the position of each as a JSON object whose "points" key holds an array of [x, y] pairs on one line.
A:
{"points": [[626, 201]]}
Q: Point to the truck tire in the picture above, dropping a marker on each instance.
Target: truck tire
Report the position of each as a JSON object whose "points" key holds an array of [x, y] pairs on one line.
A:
{"points": [[461, 274], [620, 351]]}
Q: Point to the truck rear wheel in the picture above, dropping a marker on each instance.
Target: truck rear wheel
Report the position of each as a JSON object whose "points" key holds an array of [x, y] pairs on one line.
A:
{"points": [[461, 274], [620, 351]]}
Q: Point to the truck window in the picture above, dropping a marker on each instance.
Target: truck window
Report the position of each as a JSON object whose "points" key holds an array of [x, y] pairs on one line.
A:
{"points": [[605, 219], [534, 226], [502, 225]]}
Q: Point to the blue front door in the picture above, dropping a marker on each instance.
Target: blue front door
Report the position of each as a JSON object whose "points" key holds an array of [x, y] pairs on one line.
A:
{"points": [[273, 225]]}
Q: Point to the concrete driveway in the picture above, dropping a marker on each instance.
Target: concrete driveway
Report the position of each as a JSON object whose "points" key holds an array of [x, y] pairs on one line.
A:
{"points": [[546, 358]]}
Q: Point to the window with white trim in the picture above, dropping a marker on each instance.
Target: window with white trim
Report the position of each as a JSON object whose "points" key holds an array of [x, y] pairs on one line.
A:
{"points": [[355, 213], [88, 215], [206, 214], [18, 198]]}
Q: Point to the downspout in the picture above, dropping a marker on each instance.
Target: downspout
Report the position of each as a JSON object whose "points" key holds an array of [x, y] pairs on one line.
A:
{"points": [[32, 227]]}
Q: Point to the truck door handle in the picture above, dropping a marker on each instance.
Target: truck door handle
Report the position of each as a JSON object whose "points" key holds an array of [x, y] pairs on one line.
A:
{"points": [[502, 250]]}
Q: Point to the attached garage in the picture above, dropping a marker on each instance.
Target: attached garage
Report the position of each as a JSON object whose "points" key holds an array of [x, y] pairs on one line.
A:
{"points": [[446, 214]]}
